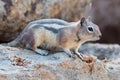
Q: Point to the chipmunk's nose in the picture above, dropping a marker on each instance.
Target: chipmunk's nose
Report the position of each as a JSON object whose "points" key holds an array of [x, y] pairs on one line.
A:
{"points": [[100, 36], [98, 32]]}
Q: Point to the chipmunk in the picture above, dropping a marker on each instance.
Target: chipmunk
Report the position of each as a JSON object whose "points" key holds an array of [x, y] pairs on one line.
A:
{"points": [[57, 35]]}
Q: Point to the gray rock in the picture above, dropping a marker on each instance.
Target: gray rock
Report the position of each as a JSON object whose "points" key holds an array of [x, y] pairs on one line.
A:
{"points": [[103, 51], [22, 64]]}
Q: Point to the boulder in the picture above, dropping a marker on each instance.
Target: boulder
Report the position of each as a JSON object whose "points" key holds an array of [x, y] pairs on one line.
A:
{"points": [[22, 64], [106, 14], [16, 14]]}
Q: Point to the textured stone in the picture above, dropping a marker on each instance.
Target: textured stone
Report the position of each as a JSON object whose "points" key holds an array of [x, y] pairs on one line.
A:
{"points": [[22, 64], [15, 14], [106, 13]]}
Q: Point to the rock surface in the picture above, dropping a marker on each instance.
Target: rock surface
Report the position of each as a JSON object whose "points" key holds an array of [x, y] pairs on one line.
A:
{"points": [[15, 14], [22, 64], [106, 13]]}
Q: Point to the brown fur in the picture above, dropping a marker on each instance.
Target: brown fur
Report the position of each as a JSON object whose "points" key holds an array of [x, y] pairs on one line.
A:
{"points": [[28, 39], [68, 37]]}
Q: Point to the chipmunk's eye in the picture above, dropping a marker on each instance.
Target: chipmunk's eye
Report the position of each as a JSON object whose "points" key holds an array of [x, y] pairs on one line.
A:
{"points": [[90, 29]]}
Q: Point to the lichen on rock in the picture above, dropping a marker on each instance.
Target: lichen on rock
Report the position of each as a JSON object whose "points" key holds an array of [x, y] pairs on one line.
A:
{"points": [[22, 64]]}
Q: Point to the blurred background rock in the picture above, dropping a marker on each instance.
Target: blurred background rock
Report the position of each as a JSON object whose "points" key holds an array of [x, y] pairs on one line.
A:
{"points": [[16, 14], [106, 13]]}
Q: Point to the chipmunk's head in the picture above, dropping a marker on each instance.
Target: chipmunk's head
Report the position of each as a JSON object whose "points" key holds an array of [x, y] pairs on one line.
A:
{"points": [[88, 30]]}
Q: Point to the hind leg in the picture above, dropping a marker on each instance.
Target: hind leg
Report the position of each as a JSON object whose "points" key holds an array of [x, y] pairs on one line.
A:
{"points": [[37, 50], [41, 52], [33, 42]]}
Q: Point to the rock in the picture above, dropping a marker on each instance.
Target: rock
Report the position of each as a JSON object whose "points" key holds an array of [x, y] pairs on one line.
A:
{"points": [[101, 51], [106, 14], [22, 64], [15, 14]]}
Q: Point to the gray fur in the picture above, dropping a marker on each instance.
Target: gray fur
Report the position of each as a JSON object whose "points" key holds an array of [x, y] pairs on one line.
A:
{"points": [[40, 22], [47, 22]]}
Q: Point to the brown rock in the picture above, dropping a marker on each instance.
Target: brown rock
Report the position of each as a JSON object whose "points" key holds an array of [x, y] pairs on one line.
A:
{"points": [[106, 13], [15, 14], [89, 59]]}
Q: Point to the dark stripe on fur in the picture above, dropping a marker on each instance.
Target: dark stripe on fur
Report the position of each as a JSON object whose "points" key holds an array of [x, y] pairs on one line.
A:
{"points": [[46, 27], [51, 29]]}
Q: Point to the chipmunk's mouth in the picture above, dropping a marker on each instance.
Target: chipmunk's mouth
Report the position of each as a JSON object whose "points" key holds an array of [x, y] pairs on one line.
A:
{"points": [[99, 37], [96, 38]]}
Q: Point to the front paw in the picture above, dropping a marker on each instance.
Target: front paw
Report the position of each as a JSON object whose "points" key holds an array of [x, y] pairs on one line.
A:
{"points": [[72, 56]]}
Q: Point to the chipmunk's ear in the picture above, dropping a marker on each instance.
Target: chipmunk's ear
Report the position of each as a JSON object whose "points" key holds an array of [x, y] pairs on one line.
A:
{"points": [[82, 21]]}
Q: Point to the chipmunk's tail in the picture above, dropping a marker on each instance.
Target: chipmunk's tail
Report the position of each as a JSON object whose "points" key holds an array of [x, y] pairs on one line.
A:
{"points": [[12, 43]]}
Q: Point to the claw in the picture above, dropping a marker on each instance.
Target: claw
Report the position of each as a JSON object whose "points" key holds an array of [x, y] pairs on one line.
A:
{"points": [[80, 56], [72, 56]]}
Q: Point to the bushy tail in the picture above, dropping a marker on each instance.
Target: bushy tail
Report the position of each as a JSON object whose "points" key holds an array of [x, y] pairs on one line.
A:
{"points": [[12, 43]]}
